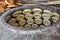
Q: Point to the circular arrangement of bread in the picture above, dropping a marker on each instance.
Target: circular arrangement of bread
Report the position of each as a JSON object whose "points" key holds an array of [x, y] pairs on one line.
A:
{"points": [[32, 18]]}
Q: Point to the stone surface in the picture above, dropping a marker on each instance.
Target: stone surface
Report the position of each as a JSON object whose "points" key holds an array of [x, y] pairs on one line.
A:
{"points": [[46, 33]]}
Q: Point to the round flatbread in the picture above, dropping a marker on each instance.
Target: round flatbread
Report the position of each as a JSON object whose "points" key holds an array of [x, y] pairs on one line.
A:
{"points": [[46, 22], [37, 10], [47, 12], [22, 22], [55, 15], [46, 16], [27, 26], [34, 26], [15, 25], [20, 17], [38, 21], [28, 16], [27, 11], [17, 13], [37, 15], [55, 19], [12, 21], [30, 21], [7, 17]]}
